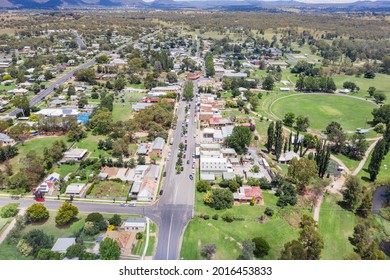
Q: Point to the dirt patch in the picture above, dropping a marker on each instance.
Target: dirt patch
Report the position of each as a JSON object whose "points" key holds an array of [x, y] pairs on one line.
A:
{"points": [[111, 171]]}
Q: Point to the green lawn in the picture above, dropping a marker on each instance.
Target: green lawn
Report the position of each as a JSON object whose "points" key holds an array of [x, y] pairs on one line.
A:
{"points": [[380, 82], [335, 225], [111, 189], [65, 169], [121, 112], [350, 163], [351, 113], [384, 172], [151, 245], [37, 145], [228, 236], [91, 144]]}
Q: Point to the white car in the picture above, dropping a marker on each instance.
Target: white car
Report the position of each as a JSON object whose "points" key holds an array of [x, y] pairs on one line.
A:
{"points": [[193, 171]]}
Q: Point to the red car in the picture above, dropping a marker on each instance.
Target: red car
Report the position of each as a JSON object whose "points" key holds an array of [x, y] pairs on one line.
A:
{"points": [[184, 156]]}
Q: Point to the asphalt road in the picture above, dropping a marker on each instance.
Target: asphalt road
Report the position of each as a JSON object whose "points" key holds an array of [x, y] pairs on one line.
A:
{"points": [[80, 42]]}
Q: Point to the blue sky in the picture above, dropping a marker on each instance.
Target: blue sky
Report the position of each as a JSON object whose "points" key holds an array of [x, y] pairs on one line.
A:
{"points": [[305, 1]]}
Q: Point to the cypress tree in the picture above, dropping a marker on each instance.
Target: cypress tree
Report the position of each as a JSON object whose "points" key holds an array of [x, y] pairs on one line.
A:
{"points": [[278, 139], [376, 159], [289, 142], [271, 136]]}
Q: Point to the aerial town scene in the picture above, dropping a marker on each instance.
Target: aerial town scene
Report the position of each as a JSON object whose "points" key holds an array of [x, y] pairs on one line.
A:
{"points": [[194, 130]]}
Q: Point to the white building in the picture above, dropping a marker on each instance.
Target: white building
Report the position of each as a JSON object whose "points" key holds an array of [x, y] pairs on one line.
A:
{"points": [[214, 166]]}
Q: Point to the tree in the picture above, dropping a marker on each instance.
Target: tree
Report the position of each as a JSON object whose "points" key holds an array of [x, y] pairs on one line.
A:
{"points": [[370, 74], [75, 251], [302, 171], [353, 192], [365, 207], [47, 254], [278, 139], [66, 213], [302, 123], [109, 249], [381, 114], [371, 91], [312, 242], [9, 210], [268, 83], [188, 91], [102, 59], [365, 247], [37, 212], [289, 119], [71, 91], [209, 63], [22, 102], [115, 220], [376, 159], [270, 137], [203, 186], [293, 250], [261, 247], [172, 77], [24, 248], [233, 185], [38, 239], [119, 84], [101, 121], [86, 75], [239, 139], [248, 248], [220, 199], [380, 97], [287, 195], [208, 251], [336, 135], [357, 147], [76, 133]]}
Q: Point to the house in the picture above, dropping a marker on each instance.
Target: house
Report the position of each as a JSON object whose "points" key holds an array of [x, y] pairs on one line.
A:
{"points": [[219, 122], [157, 147], [134, 224], [62, 244], [282, 64], [6, 140], [215, 166], [143, 149], [246, 193], [18, 91], [288, 156], [235, 75], [210, 147], [74, 188], [147, 190], [228, 152], [140, 106], [74, 154]]}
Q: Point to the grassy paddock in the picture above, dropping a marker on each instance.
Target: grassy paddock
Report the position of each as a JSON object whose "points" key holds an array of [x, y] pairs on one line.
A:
{"points": [[351, 113]]}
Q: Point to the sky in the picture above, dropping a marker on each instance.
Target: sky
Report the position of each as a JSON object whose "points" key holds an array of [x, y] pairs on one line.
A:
{"points": [[304, 1]]}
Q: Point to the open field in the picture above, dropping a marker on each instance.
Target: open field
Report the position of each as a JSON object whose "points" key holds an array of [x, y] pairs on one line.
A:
{"points": [[91, 144], [110, 188], [335, 225], [321, 109], [380, 82], [35, 144]]}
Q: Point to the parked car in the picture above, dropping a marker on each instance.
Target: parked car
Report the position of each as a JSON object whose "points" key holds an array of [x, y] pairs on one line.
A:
{"points": [[188, 161], [191, 177]]}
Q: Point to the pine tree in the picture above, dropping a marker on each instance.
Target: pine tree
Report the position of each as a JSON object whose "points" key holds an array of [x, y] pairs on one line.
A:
{"points": [[285, 146], [271, 137], [365, 207], [289, 142], [376, 159], [278, 139], [386, 137]]}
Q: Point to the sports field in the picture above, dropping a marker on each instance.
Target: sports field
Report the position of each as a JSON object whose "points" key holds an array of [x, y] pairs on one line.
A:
{"points": [[322, 109]]}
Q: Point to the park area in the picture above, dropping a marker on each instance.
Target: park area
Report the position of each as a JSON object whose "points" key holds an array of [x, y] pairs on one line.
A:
{"points": [[322, 109]]}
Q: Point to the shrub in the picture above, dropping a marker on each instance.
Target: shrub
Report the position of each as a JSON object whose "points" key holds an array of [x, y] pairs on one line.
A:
{"points": [[9, 210], [206, 217], [269, 211], [37, 212], [139, 235], [261, 247], [24, 248], [94, 217], [115, 220], [228, 217], [91, 228], [208, 251], [215, 217], [203, 186]]}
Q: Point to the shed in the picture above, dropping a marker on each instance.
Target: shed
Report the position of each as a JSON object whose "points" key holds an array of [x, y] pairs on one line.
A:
{"points": [[62, 244]]}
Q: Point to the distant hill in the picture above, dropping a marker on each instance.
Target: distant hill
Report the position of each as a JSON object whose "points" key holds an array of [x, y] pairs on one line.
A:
{"points": [[244, 5]]}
